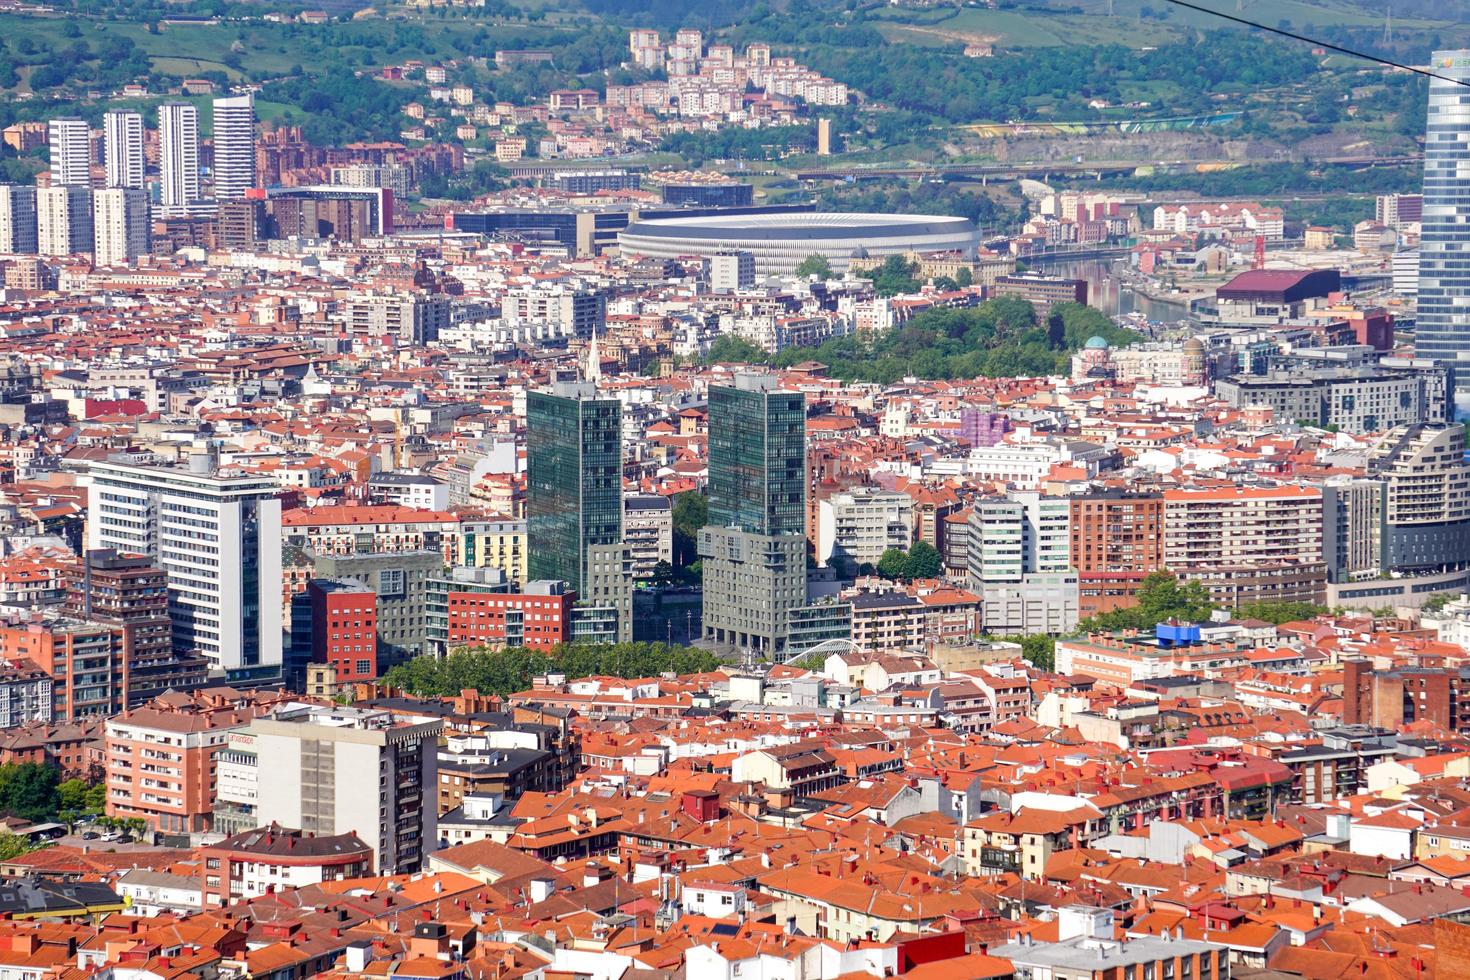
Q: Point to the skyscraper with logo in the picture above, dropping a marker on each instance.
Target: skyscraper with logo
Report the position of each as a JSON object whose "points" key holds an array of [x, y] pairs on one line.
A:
{"points": [[754, 548], [178, 158], [122, 145], [1442, 329], [234, 146]]}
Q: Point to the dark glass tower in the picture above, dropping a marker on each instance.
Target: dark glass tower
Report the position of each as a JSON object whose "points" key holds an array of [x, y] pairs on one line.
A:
{"points": [[754, 548], [757, 457], [574, 480]]}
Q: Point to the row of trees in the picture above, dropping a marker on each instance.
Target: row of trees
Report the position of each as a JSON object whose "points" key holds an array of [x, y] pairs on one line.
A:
{"points": [[512, 669]]}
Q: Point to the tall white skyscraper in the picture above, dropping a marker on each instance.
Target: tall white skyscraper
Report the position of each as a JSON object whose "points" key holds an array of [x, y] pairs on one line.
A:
{"points": [[178, 137], [17, 220], [119, 225], [234, 146], [218, 538], [122, 144], [71, 157], [1442, 329], [63, 220]]}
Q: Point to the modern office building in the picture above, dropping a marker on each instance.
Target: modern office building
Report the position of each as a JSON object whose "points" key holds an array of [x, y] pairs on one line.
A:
{"points": [[64, 220], [120, 229], [400, 581], [122, 146], [1442, 329], [71, 154], [234, 146], [1020, 561], [574, 480], [17, 220], [754, 547], [337, 770], [1356, 399], [178, 158], [218, 539]]}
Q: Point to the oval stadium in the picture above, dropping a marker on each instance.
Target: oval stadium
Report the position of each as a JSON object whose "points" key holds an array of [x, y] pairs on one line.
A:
{"points": [[780, 241]]}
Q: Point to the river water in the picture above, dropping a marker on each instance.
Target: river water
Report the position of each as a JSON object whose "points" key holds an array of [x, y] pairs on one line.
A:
{"points": [[1105, 290]]}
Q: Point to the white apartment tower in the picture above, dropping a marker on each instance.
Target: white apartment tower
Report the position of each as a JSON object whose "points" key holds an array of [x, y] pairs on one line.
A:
{"points": [[234, 146], [178, 166], [218, 539], [122, 143], [337, 769], [63, 220], [120, 227], [71, 156], [17, 220]]}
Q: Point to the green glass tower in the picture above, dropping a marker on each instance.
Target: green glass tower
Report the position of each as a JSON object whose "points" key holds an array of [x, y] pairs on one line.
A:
{"points": [[754, 548], [757, 457], [574, 480]]}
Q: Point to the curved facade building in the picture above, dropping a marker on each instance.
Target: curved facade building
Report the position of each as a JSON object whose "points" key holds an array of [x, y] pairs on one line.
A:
{"points": [[780, 241]]}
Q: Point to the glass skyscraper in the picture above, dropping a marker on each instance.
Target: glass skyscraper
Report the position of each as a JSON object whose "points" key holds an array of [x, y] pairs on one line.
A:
{"points": [[757, 457], [1442, 329], [754, 548], [574, 480]]}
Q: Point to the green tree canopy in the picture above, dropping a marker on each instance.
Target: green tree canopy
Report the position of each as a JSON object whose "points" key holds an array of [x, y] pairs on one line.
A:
{"points": [[815, 265], [893, 564], [509, 670], [923, 561], [730, 349]]}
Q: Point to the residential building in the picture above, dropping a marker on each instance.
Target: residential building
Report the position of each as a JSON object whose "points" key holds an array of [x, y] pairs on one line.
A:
{"points": [[17, 220], [122, 131], [178, 159], [64, 220], [320, 778], [234, 146], [648, 531], [273, 858], [120, 226], [1117, 539], [540, 617], [86, 662], [856, 527], [1248, 544], [70, 146]]}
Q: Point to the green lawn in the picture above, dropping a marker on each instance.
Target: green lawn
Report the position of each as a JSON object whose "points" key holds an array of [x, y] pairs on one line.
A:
{"points": [[1015, 28]]}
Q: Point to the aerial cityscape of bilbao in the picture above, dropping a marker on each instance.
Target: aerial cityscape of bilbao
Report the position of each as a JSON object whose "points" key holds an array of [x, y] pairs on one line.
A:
{"points": [[791, 490]]}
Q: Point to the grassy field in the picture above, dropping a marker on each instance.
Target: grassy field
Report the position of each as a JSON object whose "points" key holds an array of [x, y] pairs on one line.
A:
{"points": [[1038, 27]]}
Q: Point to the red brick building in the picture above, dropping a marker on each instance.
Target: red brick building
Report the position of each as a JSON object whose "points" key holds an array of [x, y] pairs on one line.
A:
{"points": [[344, 628], [1117, 539], [539, 620]]}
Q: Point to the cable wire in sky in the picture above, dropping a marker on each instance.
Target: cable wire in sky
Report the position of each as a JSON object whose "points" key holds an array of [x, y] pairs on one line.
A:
{"points": [[1321, 44]]}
